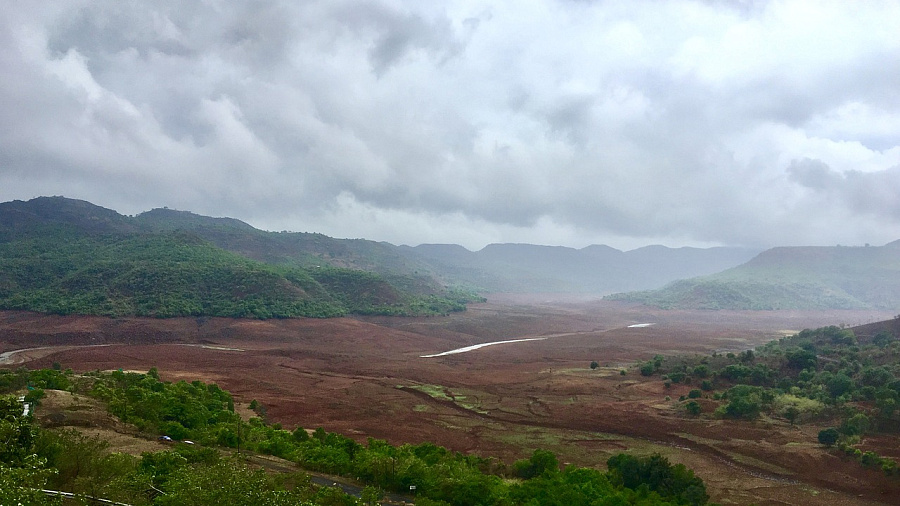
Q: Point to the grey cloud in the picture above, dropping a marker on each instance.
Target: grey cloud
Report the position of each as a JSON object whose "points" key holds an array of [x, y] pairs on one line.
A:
{"points": [[512, 117], [876, 193], [394, 34]]}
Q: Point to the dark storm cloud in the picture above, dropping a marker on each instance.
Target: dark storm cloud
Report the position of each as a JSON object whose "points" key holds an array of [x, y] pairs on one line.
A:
{"points": [[555, 122]]}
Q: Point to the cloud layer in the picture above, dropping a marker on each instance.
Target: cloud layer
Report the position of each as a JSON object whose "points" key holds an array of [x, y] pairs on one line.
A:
{"points": [[554, 122]]}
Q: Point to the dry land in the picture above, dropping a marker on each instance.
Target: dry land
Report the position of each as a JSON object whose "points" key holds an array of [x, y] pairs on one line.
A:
{"points": [[366, 377]]}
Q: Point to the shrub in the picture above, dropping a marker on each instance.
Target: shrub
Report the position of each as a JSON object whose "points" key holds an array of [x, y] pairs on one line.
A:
{"points": [[829, 437], [693, 407]]}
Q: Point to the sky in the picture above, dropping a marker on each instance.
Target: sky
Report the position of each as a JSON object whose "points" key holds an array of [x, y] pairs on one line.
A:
{"points": [[556, 122]]}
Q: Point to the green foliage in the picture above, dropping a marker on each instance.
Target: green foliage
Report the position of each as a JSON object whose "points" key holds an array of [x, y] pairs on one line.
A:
{"points": [[64, 271], [829, 437], [826, 374], [856, 425], [675, 483], [196, 474], [693, 407], [541, 462], [745, 401], [790, 278]]}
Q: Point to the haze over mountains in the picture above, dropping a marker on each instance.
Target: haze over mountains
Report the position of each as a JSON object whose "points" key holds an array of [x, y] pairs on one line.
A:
{"points": [[711, 278], [833, 277]]}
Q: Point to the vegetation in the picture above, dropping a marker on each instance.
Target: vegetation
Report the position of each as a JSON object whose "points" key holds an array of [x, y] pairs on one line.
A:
{"points": [[827, 375], [61, 270], [32, 458], [791, 278]]}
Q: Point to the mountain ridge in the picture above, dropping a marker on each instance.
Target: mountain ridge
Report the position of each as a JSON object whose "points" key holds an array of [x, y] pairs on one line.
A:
{"points": [[791, 277]]}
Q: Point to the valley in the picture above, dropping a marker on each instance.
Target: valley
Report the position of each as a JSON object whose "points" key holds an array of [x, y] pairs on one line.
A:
{"points": [[366, 377]]}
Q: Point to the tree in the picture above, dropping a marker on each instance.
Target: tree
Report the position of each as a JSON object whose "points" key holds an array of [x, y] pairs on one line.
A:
{"points": [[791, 413], [829, 437], [594, 364], [883, 338], [693, 407], [857, 425], [657, 474], [839, 384], [371, 495], [541, 461]]}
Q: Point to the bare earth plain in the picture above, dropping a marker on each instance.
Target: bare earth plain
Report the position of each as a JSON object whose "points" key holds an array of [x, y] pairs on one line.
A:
{"points": [[366, 377]]}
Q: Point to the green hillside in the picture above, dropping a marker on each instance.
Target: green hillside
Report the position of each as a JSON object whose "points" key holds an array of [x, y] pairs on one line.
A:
{"points": [[70, 257], [791, 278]]}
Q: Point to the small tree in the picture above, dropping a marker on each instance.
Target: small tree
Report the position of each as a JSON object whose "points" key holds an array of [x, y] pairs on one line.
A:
{"points": [[594, 364], [829, 437], [371, 495], [693, 407], [792, 414]]}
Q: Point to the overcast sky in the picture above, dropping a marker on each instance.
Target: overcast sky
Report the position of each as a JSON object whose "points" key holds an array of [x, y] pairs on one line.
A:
{"points": [[551, 122]]}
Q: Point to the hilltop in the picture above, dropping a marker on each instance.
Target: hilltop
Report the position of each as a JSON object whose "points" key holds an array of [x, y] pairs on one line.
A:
{"points": [[835, 277]]}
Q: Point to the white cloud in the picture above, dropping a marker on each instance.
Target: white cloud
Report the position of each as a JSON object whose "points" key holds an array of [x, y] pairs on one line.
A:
{"points": [[472, 122]]}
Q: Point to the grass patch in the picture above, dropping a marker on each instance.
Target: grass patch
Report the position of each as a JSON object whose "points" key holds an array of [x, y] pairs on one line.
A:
{"points": [[434, 391]]}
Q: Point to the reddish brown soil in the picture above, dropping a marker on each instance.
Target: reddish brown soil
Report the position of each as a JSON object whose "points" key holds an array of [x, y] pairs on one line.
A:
{"points": [[365, 378]]}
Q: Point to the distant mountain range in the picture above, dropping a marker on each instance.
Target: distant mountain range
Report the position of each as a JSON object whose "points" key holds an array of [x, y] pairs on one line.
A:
{"points": [[835, 277], [594, 269], [63, 255]]}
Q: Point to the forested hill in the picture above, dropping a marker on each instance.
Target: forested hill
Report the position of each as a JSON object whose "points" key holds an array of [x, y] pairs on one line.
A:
{"points": [[422, 269], [792, 278], [66, 256]]}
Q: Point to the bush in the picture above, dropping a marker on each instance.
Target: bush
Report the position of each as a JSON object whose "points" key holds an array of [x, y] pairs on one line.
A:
{"points": [[656, 473], [829, 437], [693, 407], [694, 394], [856, 425]]}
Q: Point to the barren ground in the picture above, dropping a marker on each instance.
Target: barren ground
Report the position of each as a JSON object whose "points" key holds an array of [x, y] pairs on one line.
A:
{"points": [[365, 378]]}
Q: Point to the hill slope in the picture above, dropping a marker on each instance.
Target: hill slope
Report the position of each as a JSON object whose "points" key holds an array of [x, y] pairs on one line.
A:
{"points": [[424, 269], [71, 257], [792, 278]]}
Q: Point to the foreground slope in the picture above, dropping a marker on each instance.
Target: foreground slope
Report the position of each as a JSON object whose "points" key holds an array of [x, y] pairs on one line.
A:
{"points": [[792, 278]]}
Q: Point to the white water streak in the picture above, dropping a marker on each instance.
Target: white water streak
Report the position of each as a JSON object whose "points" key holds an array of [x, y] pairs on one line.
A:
{"points": [[482, 345]]}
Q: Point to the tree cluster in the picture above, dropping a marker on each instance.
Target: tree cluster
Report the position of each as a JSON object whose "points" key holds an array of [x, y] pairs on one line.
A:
{"points": [[198, 474]]}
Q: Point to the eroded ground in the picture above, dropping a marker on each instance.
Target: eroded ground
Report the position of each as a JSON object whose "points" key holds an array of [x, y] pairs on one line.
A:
{"points": [[366, 378]]}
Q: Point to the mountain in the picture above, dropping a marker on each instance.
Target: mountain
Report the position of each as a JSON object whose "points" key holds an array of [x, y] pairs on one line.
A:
{"points": [[426, 270], [594, 269], [792, 278], [67, 256]]}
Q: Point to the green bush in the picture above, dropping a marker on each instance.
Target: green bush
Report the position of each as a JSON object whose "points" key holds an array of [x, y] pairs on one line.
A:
{"points": [[829, 437]]}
